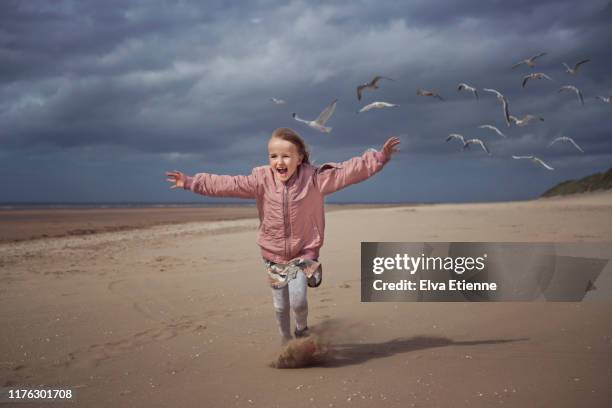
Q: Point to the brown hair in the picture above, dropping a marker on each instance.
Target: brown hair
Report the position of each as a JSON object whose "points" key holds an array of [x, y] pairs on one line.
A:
{"points": [[291, 135]]}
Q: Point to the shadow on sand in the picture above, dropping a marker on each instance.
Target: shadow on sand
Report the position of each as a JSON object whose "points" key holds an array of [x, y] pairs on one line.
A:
{"points": [[348, 354], [335, 335]]}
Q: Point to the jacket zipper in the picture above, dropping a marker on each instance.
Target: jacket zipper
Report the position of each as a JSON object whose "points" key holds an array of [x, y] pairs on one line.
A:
{"points": [[285, 217]]}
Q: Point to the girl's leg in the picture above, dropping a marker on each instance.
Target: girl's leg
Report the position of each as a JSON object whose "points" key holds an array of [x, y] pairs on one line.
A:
{"points": [[298, 301], [280, 298]]}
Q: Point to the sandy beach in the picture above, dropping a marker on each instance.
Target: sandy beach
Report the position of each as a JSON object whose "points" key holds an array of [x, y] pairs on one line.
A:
{"points": [[180, 315]]}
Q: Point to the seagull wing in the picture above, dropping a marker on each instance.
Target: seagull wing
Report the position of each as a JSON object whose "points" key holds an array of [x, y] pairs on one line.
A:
{"points": [[580, 63], [367, 107], [542, 163], [506, 111], [522, 157], [359, 89], [455, 136], [538, 56], [377, 78], [374, 80], [580, 96], [525, 79], [499, 95], [575, 144], [296, 117], [327, 112], [518, 63], [480, 142], [493, 128]]}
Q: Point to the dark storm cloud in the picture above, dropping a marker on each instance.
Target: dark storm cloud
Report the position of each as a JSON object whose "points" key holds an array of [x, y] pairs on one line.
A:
{"points": [[183, 81]]}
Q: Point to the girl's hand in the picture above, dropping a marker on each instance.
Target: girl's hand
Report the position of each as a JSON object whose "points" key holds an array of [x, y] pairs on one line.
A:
{"points": [[177, 178], [390, 146]]}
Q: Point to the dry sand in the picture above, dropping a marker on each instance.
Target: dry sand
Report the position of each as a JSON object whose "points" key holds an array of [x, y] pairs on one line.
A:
{"points": [[180, 316]]}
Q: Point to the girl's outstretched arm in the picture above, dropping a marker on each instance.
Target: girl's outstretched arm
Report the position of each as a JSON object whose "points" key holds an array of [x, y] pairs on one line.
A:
{"points": [[216, 185], [332, 177]]}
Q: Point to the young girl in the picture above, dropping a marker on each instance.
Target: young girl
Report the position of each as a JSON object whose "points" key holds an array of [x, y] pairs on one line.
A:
{"points": [[289, 193]]}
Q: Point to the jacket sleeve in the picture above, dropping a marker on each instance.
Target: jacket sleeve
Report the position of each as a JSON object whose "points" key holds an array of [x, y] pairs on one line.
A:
{"points": [[331, 177], [215, 185]]}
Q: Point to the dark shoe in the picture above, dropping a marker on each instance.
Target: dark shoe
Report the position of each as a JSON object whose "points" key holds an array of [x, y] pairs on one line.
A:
{"points": [[301, 333]]}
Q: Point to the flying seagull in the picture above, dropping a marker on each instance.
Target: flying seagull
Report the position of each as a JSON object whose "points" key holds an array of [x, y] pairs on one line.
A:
{"points": [[503, 100], [572, 71], [373, 84], [377, 105], [605, 99], [278, 101], [422, 92], [466, 87], [529, 61], [566, 139], [467, 143], [319, 123], [574, 89], [524, 121], [493, 128], [537, 75], [535, 160]]}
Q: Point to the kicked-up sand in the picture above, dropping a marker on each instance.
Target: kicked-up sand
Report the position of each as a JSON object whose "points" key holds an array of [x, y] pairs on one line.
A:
{"points": [[180, 315]]}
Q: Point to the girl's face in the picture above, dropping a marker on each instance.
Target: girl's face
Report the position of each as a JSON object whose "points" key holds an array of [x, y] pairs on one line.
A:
{"points": [[284, 158]]}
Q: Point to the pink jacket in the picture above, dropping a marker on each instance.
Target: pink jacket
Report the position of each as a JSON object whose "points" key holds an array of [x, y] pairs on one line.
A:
{"points": [[291, 215]]}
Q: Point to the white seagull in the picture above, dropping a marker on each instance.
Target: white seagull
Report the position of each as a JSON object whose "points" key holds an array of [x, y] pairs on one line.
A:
{"points": [[423, 92], [504, 101], [566, 139], [377, 105], [319, 123], [373, 84], [278, 101], [534, 159], [572, 71], [466, 145], [574, 89], [529, 61], [466, 87], [524, 121], [493, 128], [605, 99], [537, 75]]}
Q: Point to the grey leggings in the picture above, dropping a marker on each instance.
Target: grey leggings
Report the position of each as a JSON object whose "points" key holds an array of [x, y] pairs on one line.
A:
{"points": [[293, 296]]}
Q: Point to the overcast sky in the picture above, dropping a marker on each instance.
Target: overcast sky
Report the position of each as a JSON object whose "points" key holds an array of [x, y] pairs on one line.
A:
{"points": [[99, 99]]}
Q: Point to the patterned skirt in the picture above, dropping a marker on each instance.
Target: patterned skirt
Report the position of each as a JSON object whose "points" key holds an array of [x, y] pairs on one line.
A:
{"points": [[279, 275]]}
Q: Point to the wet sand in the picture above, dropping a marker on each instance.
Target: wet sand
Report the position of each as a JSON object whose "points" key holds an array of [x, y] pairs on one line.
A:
{"points": [[35, 223]]}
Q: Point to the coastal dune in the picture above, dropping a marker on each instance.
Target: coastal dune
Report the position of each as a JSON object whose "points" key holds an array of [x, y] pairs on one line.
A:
{"points": [[179, 314]]}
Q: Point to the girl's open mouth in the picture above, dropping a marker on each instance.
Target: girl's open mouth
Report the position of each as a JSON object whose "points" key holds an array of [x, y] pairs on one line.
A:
{"points": [[282, 171]]}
